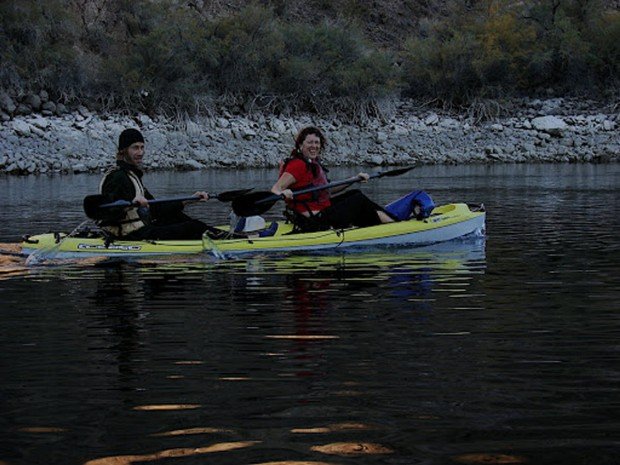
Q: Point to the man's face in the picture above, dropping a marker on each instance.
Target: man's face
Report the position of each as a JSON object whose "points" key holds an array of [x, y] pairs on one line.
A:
{"points": [[135, 153]]}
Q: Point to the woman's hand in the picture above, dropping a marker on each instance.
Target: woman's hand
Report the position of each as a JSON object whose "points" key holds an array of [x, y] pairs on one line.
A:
{"points": [[282, 184], [364, 177]]}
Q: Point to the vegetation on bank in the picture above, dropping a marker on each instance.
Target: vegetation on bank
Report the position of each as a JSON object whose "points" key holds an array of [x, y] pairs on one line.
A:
{"points": [[167, 56]]}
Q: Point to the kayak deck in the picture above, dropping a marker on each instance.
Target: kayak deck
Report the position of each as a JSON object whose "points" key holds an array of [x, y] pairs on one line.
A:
{"points": [[447, 222]]}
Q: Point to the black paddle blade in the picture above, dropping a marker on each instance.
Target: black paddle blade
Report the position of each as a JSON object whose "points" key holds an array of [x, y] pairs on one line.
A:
{"points": [[246, 205], [92, 203], [231, 195], [396, 172]]}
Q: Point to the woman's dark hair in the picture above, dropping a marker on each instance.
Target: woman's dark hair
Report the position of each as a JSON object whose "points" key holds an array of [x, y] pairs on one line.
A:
{"points": [[299, 140]]}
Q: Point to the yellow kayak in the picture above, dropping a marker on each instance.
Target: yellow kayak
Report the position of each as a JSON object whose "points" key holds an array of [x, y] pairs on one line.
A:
{"points": [[446, 222]]}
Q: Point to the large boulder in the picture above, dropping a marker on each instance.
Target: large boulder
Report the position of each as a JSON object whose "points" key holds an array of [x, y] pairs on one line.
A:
{"points": [[550, 124]]}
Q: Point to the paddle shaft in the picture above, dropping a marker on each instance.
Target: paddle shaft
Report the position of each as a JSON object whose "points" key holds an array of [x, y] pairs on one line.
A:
{"points": [[259, 202], [127, 203], [307, 190], [351, 180], [223, 197]]}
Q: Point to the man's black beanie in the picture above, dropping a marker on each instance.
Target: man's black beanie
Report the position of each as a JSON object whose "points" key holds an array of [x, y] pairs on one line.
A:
{"points": [[128, 137]]}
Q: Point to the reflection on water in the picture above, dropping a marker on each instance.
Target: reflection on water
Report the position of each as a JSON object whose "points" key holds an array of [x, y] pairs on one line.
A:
{"points": [[248, 325], [501, 350]]}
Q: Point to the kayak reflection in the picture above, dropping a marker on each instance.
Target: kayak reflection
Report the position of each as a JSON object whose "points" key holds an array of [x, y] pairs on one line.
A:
{"points": [[405, 273]]}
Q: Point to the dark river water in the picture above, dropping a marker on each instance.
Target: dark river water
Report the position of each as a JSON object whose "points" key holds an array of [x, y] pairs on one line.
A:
{"points": [[497, 350]]}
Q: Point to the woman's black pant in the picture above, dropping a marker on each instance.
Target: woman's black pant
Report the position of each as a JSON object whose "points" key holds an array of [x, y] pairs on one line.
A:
{"points": [[352, 208]]}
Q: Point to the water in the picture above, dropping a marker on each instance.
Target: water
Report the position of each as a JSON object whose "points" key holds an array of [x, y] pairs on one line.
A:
{"points": [[474, 351]]}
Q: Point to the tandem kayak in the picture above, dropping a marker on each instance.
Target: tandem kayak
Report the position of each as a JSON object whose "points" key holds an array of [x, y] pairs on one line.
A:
{"points": [[446, 222]]}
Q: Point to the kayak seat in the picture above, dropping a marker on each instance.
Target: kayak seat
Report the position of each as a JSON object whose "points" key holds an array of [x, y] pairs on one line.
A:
{"points": [[302, 223]]}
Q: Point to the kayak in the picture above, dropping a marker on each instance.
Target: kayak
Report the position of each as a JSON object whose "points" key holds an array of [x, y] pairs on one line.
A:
{"points": [[446, 222]]}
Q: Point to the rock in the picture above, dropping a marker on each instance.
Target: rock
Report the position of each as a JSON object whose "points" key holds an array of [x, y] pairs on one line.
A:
{"points": [[270, 135], [193, 165], [23, 110], [21, 128], [144, 120], [83, 123], [36, 131], [552, 106], [377, 160], [4, 117], [80, 168], [82, 110], [381, 137], [528, 147], [193, 129], [44, 96], [431, 120], [278, 126], [92, 165], [549, 124], [248, 133], [400, 130], [608, 125], [33, 101], [41, 123], [61, 109], [449, 123], [6, 103], [497, 127]]}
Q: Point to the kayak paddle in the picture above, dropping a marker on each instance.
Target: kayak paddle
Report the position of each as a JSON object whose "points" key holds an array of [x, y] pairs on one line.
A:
{"points": [[257, 203], [94, 203]]}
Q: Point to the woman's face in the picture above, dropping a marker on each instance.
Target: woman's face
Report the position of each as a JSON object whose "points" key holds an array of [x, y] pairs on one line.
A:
{"points": [[311, 146]]}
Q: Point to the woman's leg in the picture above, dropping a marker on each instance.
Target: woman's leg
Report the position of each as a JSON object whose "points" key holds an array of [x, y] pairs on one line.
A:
{"points": [[353, 208]]}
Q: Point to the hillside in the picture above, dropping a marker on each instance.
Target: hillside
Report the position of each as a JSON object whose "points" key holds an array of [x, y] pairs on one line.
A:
{"points": [[187, 57]]}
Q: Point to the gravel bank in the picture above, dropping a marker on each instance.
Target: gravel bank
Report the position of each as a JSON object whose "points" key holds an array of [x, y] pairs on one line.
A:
{"points": [[555, 130]]}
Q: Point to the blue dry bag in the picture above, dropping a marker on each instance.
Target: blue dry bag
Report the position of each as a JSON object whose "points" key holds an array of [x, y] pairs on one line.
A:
{"points": [[416, 203]]}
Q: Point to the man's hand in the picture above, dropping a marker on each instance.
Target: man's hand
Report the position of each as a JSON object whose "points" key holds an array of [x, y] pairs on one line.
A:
{"points": [[140, 200]]}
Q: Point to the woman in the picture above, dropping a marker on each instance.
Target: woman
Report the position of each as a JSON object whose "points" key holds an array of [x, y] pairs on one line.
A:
{"points": [[319, 210]]}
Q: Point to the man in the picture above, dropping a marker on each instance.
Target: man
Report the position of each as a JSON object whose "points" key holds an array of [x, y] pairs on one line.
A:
{"points": [[165, 221]]}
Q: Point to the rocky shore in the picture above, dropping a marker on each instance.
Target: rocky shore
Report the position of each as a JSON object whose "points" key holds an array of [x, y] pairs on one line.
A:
{"points": [[37, 140]]}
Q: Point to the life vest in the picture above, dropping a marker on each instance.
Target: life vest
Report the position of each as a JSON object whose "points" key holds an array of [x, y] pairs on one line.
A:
{"points": [[304, 176], [131, 221]]}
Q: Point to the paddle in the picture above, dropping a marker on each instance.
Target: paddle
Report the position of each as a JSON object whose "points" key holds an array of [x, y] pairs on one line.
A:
{"points": [[93, 204], [258, 203]]}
